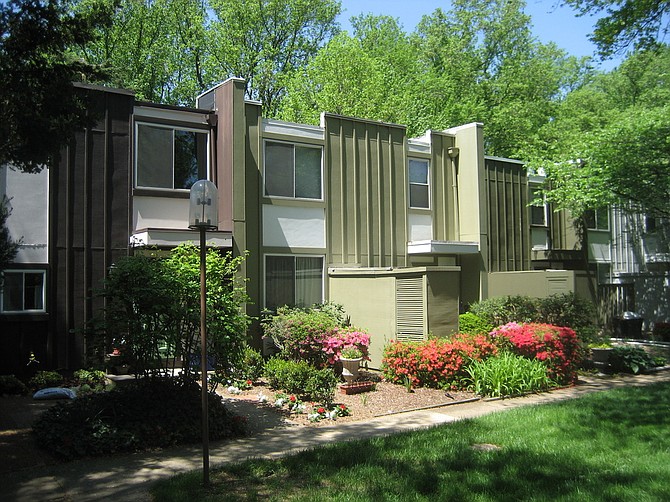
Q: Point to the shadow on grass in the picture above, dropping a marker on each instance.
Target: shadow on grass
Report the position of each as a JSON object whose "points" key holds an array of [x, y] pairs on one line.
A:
{"points": [[606, 446]]}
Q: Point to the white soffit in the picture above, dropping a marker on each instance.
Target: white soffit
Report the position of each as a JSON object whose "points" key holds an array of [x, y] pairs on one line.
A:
{"points": [[442, 247], [171, 238], [272, 126]]}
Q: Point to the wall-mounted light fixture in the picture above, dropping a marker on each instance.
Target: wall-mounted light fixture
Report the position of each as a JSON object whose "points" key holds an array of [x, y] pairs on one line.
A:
{"points": [[453, 151]]}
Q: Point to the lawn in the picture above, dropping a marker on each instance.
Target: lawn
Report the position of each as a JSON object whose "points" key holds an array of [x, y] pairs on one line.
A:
{"points": [[607, 446]]}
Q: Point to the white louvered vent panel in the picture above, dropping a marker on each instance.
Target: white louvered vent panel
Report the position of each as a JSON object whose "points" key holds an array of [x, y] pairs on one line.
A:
{"points": [[410, 308]]}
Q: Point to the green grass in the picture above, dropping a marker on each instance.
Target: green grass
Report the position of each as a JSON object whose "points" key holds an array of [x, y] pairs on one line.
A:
{"points": [[608, 446]]}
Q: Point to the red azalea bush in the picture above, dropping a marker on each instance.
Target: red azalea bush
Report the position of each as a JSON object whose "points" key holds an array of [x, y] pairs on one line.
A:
{"points": [[557, 347], [437, 362]]}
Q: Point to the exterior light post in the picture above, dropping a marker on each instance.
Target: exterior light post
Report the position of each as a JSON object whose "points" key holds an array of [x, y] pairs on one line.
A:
{"points": [[203, 216]]}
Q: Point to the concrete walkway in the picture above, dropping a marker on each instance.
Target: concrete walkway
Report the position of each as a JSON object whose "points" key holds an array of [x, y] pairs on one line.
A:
{"points": [[129, 477]]}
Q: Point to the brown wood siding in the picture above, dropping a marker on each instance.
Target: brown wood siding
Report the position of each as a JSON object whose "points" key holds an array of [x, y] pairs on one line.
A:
{"points": [[508, 216], [90, 213]]}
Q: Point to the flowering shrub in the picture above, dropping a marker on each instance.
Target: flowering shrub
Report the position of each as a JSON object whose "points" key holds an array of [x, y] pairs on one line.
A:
{"points": [[321, 412], [557, 347], [346, 338], [438, 362]]}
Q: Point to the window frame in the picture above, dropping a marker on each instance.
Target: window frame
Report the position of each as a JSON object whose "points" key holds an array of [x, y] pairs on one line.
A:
{"points": [[545, 207], [294, 144], [427, 184], [295, 257], [172, 127], [596, 220], [23, 310]]}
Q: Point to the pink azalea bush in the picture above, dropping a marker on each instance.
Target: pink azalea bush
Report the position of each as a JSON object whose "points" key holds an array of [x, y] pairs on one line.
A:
{"points": [[346, 338], [557, 347]]}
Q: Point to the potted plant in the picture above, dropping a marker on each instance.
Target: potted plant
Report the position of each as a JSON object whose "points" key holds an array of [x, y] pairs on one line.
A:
{"points": [[600, 355], [351, 358]]}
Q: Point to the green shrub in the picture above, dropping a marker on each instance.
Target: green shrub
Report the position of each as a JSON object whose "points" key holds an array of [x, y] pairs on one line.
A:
{"points": [[45, 379], [568, 309], [627, 359], [473, 324], [149, 413], [507, 375], [10, 385], [300, 334], [301, 379], [252, 364], [504, 309]]}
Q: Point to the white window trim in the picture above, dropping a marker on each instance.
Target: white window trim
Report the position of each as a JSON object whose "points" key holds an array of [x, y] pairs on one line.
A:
{"points": [[173, 128], [44, 291], [427, 184], [323, 271], [294, 144]]}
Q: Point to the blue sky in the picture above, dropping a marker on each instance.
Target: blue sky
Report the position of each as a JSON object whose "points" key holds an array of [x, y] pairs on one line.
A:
{"points": [[551, 22]]}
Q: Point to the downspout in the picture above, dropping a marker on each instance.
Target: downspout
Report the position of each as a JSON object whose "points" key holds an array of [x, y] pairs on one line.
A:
{"points": [[453, 155]]}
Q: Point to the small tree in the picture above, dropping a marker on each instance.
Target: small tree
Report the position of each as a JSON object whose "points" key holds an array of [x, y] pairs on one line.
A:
{"points": [[153, 311]]}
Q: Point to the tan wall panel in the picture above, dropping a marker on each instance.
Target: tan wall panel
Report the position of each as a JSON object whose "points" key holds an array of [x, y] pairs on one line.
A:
{"points": [[443, 298]]}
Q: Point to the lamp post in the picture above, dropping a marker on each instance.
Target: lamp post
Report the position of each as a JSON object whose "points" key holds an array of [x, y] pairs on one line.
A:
{"points": [[203, 216]]}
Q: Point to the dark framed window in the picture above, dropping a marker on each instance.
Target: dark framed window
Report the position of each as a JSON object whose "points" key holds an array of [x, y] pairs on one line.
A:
{"points": [[23, 291], [293, 280], [419, 186], [169, 157], [538, 212], [597, 219], [293, 171]]}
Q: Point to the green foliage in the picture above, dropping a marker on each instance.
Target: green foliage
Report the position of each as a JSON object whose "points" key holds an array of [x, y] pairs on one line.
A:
{"points": [[473, 324], [40, 107], [561, 309], [626, 25], [8, 246], [251, 365], [148, 413], [627, 359], [301, 379], [153, 311], [45, 379], [10, 385], [90, 381], [504, 309], [300, 333], [507, 375]]}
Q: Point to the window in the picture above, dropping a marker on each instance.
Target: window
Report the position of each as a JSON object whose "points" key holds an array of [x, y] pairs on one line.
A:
{"points": [[650, 224], [293, 280], [597, 219], [418, 184], [168, 157], [538, 212], [23, 291], [292, 170]]}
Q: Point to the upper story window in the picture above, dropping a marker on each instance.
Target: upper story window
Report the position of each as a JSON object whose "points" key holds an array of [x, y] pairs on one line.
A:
{"points": [[23, 291], [170, 157], [597, 219], [538, 211], [419, 187], [292, 171]]}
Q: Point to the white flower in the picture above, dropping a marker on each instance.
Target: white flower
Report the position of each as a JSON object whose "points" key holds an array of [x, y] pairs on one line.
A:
{"points": [[234, 390], [299, 408], [314, 417], [280, 402], [262, 398], [332, 415]]}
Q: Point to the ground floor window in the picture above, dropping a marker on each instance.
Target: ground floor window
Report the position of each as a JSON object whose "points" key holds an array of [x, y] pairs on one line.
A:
{"points": [[293, 280], [22, 291]]}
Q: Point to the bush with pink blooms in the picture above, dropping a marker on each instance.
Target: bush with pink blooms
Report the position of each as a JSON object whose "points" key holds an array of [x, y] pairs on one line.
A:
{"points": [[557, 347]]}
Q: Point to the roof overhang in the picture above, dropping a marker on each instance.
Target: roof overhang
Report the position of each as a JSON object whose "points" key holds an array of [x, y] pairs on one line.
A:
{"points": [[442, 247], [164, 237]]}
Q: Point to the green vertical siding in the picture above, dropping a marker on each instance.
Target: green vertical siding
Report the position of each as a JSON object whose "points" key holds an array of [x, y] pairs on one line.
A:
{"points": [[366, 192], [508, 215]]}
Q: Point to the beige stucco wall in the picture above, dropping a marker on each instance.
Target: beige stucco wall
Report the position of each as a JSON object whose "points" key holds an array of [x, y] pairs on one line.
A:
{"points": [[534, 283]]}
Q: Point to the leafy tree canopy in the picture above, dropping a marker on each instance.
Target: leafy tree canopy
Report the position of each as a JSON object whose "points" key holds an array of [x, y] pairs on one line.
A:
{"points": [[39, 108], [627, 24]]}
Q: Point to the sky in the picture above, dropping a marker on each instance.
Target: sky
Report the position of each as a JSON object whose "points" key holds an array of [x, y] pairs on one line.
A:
{"points": [[551, 22]]}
